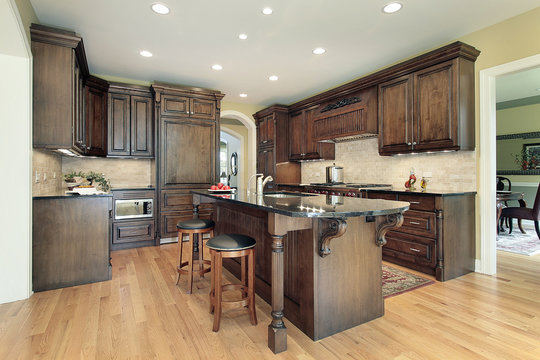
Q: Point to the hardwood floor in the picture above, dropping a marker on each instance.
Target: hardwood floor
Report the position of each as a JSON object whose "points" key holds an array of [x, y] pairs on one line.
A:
{"points": [[142, 314]]}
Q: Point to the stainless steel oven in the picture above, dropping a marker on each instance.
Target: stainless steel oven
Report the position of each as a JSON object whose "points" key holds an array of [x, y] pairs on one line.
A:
{"points": [[133, 208]]}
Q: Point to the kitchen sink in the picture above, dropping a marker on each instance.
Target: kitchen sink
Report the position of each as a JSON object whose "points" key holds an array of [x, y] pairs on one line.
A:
{"points": [[286, 194]]}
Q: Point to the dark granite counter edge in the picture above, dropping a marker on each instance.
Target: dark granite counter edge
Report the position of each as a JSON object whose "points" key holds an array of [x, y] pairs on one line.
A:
{"points": [[403, 191], [69, 196], [304, 214], [133, 188]]}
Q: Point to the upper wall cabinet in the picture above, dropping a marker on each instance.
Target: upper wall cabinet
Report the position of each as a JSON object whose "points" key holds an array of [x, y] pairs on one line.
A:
{"points": [[431, 108], [131, 123], [302, 146], [60, 69], [94, 123]]}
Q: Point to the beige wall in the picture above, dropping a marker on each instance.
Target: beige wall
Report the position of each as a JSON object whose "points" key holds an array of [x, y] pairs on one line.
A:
{"points": [[362, 163]]}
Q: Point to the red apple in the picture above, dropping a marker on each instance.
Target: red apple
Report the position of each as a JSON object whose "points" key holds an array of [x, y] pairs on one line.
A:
{"points": [[220, 185], [226, 187], [213, 187]]}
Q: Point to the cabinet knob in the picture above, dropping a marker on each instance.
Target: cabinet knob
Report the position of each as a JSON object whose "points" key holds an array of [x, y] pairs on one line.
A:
{"points": [[409, 144], [414, 142]]}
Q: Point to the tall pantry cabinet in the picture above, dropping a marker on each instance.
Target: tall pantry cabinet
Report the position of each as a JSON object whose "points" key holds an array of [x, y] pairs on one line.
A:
{"points": [[187, 134]]}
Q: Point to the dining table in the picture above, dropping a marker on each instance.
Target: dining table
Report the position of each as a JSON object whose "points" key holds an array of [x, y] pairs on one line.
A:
{"points": [[502, 198]]}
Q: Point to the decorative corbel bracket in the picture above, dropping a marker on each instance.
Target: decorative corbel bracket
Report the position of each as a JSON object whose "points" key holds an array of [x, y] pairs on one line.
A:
{"points": [[329, 229], [392, 221]]}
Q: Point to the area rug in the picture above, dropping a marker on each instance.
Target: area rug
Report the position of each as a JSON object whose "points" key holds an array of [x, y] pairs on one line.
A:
{"points": [[395, 281], [518, 243]]}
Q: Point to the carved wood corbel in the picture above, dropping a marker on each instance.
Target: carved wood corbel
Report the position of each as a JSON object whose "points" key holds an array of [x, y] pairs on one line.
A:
{"points": [[390, 222], [329, 229]]}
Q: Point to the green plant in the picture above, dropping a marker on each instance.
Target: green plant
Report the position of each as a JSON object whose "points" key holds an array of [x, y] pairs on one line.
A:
{"points": [[525, 160], [70, 177], [98, 179]]}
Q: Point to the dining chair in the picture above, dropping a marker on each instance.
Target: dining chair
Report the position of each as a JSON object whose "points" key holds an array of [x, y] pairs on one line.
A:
{"points": [[525, 213], [501, 186]]}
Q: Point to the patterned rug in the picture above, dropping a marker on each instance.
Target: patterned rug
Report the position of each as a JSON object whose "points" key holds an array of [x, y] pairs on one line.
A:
{"points": [[395, 281], [518, 243]]}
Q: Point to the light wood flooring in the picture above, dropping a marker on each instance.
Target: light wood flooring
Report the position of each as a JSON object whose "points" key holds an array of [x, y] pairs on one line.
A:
{"points": [[142, 314]]}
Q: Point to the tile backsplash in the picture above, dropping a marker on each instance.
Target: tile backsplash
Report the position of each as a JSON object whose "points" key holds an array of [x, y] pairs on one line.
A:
{"points": [[455, 171], [47, 170]]}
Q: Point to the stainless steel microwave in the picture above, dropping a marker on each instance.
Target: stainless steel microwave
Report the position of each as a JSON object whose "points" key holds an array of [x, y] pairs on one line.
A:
{"points": [[133, 209]]}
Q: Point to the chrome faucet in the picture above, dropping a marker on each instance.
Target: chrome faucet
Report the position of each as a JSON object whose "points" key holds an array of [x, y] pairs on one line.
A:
{"points": [[261, 183], [259, 176]]}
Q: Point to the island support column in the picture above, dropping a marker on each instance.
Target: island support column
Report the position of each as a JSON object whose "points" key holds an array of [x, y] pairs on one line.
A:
{"points": [[278, 226]]}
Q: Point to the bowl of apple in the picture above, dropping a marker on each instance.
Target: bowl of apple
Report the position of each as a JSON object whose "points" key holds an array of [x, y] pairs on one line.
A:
{"points": [[220, 188]]}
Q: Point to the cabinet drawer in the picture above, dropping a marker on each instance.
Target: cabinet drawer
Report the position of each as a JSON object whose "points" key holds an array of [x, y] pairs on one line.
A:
{"points": [[175, 105], [419, 223], [176, 200], [410, 248], [371, 195], [133, 231], [423, 203]]}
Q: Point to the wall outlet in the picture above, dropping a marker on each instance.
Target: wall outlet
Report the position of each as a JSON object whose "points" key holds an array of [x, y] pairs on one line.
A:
{"points": [[428, 174]]}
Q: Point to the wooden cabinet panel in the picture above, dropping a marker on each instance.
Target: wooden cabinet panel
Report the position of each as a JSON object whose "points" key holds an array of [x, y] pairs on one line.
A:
{"points": [[414, 249], [175, 105], [203, 109], [79, 127], [265, 130], [265, 161], [176, 200], [133, 231], [422, 203], [373, 195], [142, 135], [419, 223], [296, 133], [188, 153], [95, 116], [396, 115], [301, 143], [119, 125]]}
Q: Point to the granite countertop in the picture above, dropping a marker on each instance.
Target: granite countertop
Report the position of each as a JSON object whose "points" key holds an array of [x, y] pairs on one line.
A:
{"points": [[311, 205], [63, 195], [429, 191], [150, 187]]}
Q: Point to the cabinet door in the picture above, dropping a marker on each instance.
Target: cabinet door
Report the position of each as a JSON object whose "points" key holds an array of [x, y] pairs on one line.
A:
{"points": [[203, 109], [296, 136], [266, 162], [265, 131], [395, 115], [188, 153], [119, 119], [314, 149], [435, 110], [79, 128], [95, 115], [175, 105], [142, 136]]}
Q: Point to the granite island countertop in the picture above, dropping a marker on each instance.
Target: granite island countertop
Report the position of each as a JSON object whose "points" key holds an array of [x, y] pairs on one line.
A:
{"points": [[430, 190], [310, 205]]}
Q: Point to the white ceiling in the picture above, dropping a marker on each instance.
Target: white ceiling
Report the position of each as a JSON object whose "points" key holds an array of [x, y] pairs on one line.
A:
{"points": [[519, 85], [358, 37]]}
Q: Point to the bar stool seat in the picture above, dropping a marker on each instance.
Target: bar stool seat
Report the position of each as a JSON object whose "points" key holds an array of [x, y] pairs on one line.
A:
{"points": [[192, 227], [232, 246]]}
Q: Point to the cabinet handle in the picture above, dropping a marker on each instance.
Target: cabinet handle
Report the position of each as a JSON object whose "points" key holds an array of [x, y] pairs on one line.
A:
{"points": [[414, 223], [414, 142], [409, 144], [415, 202], [265, 141], [415, 250]]}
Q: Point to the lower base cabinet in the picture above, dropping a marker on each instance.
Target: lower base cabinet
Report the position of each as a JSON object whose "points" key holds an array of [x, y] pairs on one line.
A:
{"points": [[70, 241], [437, 236]]}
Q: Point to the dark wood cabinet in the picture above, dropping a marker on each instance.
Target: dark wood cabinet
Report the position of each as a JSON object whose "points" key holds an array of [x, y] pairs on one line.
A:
{"points": [[301, 145], [131, 126], [437, 236], [59, 70], [428, 110], [134, 232], [273, 146], [95, 117], [70, 241], [187, 156]]}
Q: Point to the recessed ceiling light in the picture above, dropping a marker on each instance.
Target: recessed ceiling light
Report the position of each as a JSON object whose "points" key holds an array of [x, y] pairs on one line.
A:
{"points": [[145, 53], [243, 95], [267, 11], [319, 51], [161, 9], [392, 7], [217, 67], [273, 78], [242, 36]]}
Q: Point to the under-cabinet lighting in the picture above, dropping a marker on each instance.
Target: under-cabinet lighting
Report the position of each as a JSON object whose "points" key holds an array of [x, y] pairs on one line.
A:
{"points": [[145, 53], [160, 9], [392, 7]]}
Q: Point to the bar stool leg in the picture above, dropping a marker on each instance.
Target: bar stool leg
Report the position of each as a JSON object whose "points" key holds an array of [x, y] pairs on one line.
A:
{"points": [[217, 292], [180, 247], [251, 287], [212, 280], [243, 278], [190, 264], [201, 255]]}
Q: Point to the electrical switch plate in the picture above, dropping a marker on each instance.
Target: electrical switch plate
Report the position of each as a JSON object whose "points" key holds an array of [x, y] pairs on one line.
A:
{"points": [[44, 176], [54, 175], [37, 176]]}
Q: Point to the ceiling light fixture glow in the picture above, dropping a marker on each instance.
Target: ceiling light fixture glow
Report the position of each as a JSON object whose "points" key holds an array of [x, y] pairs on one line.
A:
{"points": [[267, 11], [242, 36], [319, 51], [243, 95], [392, 7], [145, 53], [160, 9], [217, 67], [273, 78]]}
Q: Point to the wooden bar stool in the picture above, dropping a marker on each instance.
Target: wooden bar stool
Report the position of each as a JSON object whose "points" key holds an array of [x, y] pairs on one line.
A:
{"points": [[192, 227], [232, 246]]}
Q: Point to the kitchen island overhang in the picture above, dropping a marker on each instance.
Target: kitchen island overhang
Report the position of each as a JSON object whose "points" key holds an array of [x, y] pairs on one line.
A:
{"points": [[318, 257]]}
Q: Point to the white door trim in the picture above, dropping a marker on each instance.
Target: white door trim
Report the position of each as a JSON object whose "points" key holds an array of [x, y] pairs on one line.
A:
{"points": [[487, 170]]}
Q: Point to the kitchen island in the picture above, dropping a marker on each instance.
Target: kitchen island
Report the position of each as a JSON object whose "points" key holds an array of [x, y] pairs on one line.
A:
{"points": [[318, 257]]}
